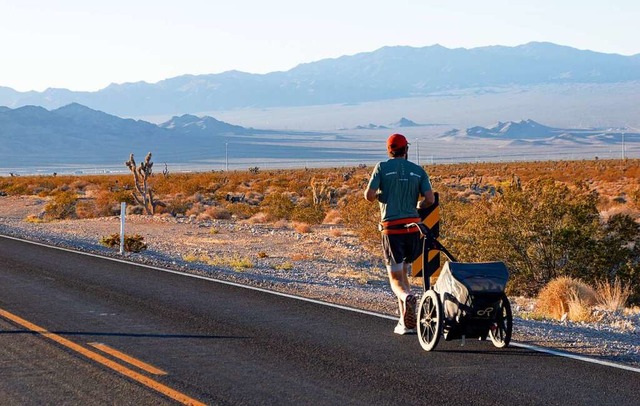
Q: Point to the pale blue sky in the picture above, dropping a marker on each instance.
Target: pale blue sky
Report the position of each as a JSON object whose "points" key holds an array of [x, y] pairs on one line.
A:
{"points": [[86, 45]]}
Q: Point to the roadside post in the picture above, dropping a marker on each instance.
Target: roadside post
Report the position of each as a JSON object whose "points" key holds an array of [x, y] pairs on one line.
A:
{"points": [[123, 211]]}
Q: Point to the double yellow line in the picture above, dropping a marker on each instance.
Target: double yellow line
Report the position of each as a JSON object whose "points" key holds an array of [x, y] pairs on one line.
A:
{"points": [[155, 385]]}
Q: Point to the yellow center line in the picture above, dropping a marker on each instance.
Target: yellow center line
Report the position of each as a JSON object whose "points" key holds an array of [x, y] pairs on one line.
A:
{"points": [[155, 385], [128, 359]]}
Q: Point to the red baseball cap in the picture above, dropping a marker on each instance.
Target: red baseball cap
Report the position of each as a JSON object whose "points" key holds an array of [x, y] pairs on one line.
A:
{"points": [[396, 142]]}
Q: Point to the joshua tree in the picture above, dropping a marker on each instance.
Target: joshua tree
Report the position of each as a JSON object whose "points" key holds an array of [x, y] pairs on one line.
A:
{"points": [[141, 175], [321, 191]]}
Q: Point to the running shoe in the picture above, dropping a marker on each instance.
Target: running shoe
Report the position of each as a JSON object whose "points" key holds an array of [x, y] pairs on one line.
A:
{"points": [[409, 316], [402, 330]]}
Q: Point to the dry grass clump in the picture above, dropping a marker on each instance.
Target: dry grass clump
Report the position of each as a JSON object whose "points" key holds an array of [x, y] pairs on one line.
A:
{"points": [[362, 277], [613, 296], [259, 218], [32, 218], [285, 266], [299, 257], [281, 224], [332, 217], [302, 228], [217, 213], [566, 297], [335, 232], [235, 261]]}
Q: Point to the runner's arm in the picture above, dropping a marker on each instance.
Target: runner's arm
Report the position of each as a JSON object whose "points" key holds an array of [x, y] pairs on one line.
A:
{"points": [[429, 199], [371, 194], [373, 188]]}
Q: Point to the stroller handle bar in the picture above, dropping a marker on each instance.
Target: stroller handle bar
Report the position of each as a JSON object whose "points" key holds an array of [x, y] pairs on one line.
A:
{"points": [[430, 241]]}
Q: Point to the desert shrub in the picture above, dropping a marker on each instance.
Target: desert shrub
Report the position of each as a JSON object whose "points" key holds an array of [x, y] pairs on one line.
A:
{"points": [[634, 197], [335, 232], [132, 243], [565, 296], [242, 210], [312, 214], [133, 209], [178, 205], [61, 206], [277, 206], [218, 213], [196, 209], [85, 208], [363, 217], [302, 228], [259, 218], [34, 219], [542, 230], [16, 189], [107, 203], [45, 187], [613, 296], [617, 254], [332, 217], [284, 266]]}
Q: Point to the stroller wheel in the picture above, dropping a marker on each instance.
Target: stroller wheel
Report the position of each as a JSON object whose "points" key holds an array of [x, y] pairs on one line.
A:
{"points": [[429, 320], [500, 331]]}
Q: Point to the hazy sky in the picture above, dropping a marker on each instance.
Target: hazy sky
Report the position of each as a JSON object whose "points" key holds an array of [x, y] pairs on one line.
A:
{"points": [[86, 45]]}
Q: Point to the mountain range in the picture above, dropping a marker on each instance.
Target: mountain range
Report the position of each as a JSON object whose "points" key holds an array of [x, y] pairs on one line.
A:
{"points": [[387, 73], [530, 132], [32, 136], [35, 137]]}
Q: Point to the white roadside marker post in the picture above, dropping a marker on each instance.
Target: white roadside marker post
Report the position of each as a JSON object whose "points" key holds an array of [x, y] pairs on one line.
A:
{"points": [[123, 212]]}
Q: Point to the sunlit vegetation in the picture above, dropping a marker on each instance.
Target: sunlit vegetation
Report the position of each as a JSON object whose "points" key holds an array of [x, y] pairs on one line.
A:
{"points": [[132, 243], [576, 219]]}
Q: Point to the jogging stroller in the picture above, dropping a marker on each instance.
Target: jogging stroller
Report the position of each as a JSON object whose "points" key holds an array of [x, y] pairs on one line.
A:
{"points": [[467, 300]]}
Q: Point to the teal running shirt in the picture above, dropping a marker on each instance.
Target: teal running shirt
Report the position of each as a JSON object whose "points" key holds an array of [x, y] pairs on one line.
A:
{"points": [[401, 184]]}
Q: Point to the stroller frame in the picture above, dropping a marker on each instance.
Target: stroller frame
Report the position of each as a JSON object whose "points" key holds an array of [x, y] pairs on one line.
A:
{"points": [[481, 315]]}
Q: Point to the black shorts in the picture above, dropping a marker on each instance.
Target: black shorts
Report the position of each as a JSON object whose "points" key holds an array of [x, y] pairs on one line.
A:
{"points": [[399, 248]]}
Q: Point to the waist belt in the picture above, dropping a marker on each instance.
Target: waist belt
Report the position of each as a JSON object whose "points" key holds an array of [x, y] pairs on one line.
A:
{"points": [[399, 226]]}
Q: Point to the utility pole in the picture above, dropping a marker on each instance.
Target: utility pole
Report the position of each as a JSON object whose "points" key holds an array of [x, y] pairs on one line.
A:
{"points": [[226, 157]]}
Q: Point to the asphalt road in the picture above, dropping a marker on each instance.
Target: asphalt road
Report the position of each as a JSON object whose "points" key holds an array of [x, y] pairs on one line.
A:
{"points": [[222, 344]]}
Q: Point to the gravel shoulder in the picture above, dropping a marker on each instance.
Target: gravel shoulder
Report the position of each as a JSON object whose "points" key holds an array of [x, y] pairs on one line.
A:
{"points": [[327, 264]]}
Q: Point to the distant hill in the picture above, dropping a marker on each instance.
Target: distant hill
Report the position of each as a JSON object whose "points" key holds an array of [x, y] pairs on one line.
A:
{"points": [[74, 133], [201, 126], [387, 73], [371, 126], [529, 132], [510, 129], [404, 122]]}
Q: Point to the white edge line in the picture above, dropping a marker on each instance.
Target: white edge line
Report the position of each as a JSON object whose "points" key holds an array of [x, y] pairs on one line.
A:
{"points": [[320, 302], [575, 356]]}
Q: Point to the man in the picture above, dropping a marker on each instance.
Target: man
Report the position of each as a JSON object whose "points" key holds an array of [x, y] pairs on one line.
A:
{"points": [[398, 184]]}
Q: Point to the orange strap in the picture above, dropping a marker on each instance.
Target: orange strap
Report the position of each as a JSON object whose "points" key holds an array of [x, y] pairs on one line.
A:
{"points": [[393, 227], [408, 220]]}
